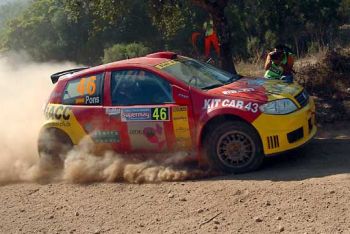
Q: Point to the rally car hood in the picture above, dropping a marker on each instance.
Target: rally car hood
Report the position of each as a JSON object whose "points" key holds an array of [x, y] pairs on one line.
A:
{"points": [[258, 89]]}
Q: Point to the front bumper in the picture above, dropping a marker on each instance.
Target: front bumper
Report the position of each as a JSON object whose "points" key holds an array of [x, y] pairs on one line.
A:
{"points": [[280, 133]]}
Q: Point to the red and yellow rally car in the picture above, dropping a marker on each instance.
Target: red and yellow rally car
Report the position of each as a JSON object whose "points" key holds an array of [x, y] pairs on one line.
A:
{"points": [[164, 103]]}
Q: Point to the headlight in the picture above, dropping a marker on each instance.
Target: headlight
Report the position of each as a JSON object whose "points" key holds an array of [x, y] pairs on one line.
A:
{"points": [[279, 107]]}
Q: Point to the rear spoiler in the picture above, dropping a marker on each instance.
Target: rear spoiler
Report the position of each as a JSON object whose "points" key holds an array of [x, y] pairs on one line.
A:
{"points": [[56, 76]]}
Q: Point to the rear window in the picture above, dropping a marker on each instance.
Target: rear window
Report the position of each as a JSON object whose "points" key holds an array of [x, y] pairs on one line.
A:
{"points": [[84, 91]]}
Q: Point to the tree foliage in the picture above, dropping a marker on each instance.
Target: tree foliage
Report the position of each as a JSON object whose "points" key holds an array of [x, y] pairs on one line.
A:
{"points": [[80, 30]]}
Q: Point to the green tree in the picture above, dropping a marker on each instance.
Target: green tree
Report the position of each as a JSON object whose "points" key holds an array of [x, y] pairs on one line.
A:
{"points": [[112, 22], [80, 30], [45, 31], [10, 10], [216, 8]]}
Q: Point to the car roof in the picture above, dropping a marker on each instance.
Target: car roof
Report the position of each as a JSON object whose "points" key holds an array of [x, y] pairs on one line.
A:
{"points": [[148, 60]]}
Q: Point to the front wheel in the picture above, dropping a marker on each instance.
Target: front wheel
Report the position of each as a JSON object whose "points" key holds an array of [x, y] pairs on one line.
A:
{"points": [[234, 147]]}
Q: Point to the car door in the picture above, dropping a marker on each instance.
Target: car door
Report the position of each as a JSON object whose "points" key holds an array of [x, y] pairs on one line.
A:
{"points": [[144, 111]]}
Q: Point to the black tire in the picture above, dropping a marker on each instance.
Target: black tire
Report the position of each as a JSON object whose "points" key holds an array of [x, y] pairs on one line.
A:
{"points": [[233, 147], [53, 146]]}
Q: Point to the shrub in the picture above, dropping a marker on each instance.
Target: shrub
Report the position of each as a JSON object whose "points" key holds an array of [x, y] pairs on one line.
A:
{"points": [[124, 51], [253, 46], [271, 39], [313, 47]]}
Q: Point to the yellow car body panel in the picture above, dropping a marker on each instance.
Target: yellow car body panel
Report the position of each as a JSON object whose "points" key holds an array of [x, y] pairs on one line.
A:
{"points": [[63, 118], [273, 129]]}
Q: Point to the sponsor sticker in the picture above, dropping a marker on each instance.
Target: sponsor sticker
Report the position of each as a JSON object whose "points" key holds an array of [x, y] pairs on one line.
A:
{"points": [[181, 127], [59, 124], [80, 100], [257, 82], [113, 111], [57, 112], [105, 137], [182, 96], [145, 114], [166, 64], [136, 114], [233, 91], [147, 136], [210, 104], [61, 114], [88, 100], [283, 88]]}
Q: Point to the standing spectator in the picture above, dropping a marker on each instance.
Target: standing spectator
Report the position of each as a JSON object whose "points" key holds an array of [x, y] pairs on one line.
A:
{"points": [[210, 37]]}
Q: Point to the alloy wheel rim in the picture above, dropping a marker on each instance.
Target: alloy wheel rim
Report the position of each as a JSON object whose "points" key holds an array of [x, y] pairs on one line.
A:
{"points": [[235, 149]]}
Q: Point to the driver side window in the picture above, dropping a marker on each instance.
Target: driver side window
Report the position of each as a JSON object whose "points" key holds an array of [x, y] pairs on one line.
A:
{"points": [[138, 87]]}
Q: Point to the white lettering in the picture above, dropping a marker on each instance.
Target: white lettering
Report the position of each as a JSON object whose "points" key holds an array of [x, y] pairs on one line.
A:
{"points": [[248, 106], [217, 101], [225, 102], [206, 103], [255, 107], [92, 100], [232, 104], [238, 104], [244, 90]]}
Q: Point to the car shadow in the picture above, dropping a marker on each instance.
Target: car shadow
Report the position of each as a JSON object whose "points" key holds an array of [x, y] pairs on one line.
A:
{"points": [[320, 158]]}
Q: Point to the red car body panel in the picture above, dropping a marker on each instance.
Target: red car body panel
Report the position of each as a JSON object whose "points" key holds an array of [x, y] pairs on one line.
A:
{"points": [[113, 127]]}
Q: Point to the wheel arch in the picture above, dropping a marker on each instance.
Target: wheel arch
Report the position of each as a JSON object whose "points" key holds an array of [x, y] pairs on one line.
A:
{"points": [[59, 130], [214, 121], [60, 133], [75, 139]]}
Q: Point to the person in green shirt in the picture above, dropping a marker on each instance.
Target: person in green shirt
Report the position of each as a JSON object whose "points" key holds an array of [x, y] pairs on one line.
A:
{"points": [[279, 64]]}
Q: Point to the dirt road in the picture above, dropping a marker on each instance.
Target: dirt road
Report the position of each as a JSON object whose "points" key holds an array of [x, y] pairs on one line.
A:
{"points": [[303, 192]]}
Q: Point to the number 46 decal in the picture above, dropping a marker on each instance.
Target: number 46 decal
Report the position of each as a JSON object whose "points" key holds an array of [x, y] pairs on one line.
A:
{"points": [[160, 113], [89, 88]]}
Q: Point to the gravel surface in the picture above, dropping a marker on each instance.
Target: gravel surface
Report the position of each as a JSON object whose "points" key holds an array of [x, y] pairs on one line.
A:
{"points": [[306, 191]]}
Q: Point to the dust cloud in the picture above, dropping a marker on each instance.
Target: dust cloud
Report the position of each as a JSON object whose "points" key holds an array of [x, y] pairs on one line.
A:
{"points": [[83, 167], [25, 87]]}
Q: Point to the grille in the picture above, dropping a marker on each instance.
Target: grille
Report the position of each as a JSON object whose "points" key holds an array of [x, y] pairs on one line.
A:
{"points": [[295, 135], [273, 142], [302, 98]]}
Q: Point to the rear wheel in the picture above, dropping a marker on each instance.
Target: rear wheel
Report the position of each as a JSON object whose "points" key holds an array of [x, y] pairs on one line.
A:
{"points": [[53, 145], [234, 147]]}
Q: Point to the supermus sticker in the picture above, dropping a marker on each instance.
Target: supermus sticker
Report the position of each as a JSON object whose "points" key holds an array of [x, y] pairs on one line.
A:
{"points": [[145, 114]]}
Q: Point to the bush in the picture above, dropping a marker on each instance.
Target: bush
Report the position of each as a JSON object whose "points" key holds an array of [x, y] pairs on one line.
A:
{"points": [[313, 47], [327, 78], [253, 46], [124, 51], [271, 39]]}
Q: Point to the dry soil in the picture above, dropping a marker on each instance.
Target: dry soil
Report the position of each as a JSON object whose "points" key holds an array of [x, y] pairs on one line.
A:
{"points": [[307, 191]]}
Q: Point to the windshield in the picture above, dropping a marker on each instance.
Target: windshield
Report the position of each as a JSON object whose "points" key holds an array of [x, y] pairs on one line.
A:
{"points": [[196, 73]]}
